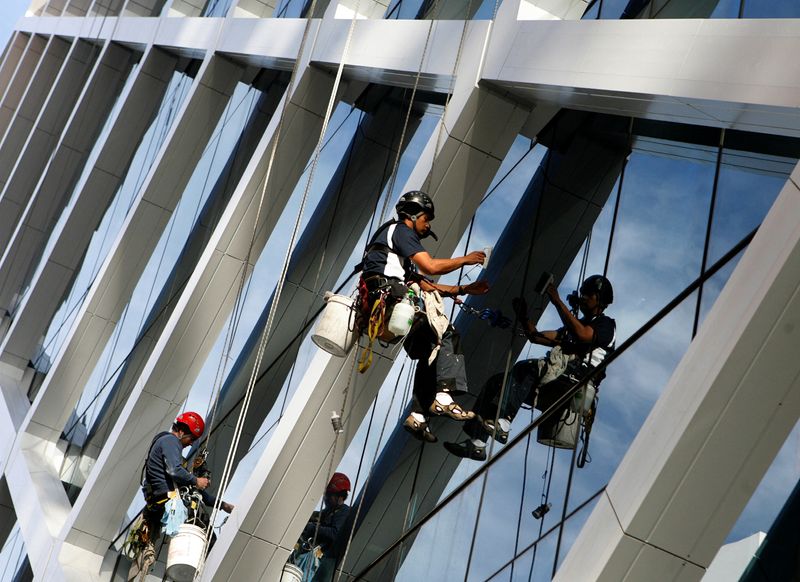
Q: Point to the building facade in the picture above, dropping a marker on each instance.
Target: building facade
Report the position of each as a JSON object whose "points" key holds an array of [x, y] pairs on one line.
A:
{"points": [[181, 182]]}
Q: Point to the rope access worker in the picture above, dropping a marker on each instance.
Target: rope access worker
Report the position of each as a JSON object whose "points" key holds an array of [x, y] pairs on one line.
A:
{"points": [[328, 526], [578, 347], [390, 264], [164, 472]]}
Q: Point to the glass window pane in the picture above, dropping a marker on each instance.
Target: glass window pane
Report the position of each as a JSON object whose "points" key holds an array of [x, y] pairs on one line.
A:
{"points": [[771, 9], [726, 9]]}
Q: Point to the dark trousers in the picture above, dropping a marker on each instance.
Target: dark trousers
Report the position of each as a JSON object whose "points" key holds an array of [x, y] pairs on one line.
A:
{"points": [[447, 373], [521, 388]]}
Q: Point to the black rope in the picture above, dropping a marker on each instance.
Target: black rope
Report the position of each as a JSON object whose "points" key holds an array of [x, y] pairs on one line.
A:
{"points": [[709, 226], [568, 394], [535, 543], [534, 232], [545, 501]]}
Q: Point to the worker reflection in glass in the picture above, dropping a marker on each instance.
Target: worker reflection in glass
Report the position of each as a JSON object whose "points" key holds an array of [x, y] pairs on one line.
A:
{"points": [[579, 346], [163, 473], [326, 529], [391, 263]]}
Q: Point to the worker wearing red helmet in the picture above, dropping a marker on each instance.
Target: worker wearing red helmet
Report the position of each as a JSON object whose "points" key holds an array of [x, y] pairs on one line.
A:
{"points": [[328, 526], [164, 472]]}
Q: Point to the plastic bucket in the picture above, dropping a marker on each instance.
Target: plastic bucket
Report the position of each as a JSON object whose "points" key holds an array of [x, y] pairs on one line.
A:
{"points": [[291, 573], [335, 331], [185, 553], [560, 430]]}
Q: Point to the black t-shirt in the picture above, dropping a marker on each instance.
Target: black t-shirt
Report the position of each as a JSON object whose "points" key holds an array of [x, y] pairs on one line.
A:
{"points": [[403, 241], [603, 341]]}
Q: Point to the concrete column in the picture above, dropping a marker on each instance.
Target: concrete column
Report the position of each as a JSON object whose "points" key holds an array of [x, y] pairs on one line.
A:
{"points": [[711, 436], [58, 179], [106, 169]]}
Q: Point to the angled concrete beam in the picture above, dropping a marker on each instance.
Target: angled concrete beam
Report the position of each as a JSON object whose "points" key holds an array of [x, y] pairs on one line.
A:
{"points": [[291, 473], [16, 88], [711, 436], [35, 152], [105, 170], [656, 69], [143, 226], [326, 244], [59, 177], [11, 58], [203, 308], [163, 307]]}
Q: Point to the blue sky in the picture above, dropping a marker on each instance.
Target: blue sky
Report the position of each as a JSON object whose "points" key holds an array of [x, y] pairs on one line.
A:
{"points": [[10, 12]]}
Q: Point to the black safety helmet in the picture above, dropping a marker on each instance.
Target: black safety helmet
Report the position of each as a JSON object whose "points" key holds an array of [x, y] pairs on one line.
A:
{"points": [[413, 202], [600, 285]]}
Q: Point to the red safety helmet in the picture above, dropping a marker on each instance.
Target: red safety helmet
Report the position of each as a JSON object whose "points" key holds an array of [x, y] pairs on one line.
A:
{"points": [[339, 483], [194, 421]]}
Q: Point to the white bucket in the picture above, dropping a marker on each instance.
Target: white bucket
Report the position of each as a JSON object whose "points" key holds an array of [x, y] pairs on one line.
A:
{"points": [[335, 331], [291, 573], [560, 430], [185, 553]]}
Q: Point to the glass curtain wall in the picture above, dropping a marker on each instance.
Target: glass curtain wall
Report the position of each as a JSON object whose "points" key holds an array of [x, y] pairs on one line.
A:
{"points": [[706, 9], [675, 203]]}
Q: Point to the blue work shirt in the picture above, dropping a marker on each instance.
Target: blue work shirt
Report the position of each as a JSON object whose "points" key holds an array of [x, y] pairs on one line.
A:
{"points": [[164, 470]]}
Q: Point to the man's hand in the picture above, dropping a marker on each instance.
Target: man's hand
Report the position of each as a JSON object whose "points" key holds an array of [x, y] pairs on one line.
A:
{"points": [[552, 293], [475, 258], [202, 483], [476, 288], [226, 507]]}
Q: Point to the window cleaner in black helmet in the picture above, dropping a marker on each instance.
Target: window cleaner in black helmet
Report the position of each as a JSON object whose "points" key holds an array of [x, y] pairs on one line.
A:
{"points": [[394, 259], [584, 342]]}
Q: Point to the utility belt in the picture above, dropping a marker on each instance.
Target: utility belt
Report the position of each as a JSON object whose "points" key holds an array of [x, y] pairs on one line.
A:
{"points": [[155, 501]]}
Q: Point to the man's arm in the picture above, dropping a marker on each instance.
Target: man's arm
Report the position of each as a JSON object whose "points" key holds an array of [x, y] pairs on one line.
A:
{"points": [[476, 288], [582, 333], [173, 463], [430, 266]]}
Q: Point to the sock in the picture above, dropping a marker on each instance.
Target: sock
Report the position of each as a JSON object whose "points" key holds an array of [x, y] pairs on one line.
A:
{"points": [[443, 398], [418, 416], [505, 424], [478, 443]]}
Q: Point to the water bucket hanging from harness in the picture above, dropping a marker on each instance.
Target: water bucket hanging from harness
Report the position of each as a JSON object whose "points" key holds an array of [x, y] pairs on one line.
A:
{"points": [[335, 332], [185, 553]]}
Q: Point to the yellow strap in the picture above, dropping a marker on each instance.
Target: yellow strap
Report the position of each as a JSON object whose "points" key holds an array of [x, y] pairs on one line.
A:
{"points": [[373, 329]]}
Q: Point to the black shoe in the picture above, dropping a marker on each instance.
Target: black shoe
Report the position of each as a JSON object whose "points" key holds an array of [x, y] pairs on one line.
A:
{"points": [[500, 435], [419, 430], [466, 450]]}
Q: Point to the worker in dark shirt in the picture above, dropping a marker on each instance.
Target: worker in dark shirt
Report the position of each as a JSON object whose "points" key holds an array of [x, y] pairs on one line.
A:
{"points": [[391, 262], [163, 473], [584, 342], [328, 526]]}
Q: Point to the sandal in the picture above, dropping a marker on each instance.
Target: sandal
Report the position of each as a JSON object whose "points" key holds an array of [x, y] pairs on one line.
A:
{"points": [[419, 430], [453, 410], [500, 435], [466, 450]]}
